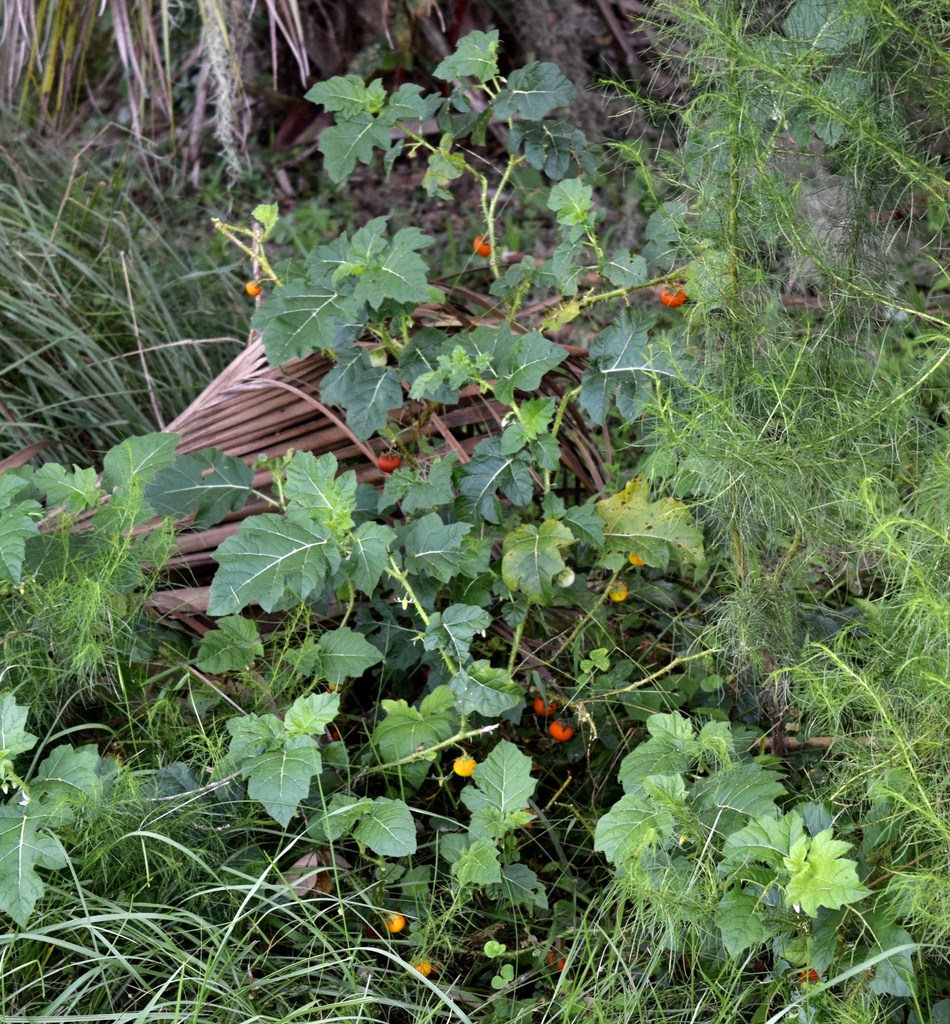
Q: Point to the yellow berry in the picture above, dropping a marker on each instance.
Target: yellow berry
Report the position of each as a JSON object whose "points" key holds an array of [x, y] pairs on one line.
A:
{"points": [[618, 592], [464, 765], [635, 559], [395, 923]]}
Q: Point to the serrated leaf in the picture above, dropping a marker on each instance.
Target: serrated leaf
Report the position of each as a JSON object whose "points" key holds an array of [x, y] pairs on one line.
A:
{"points": [[387, 828], [353, 139], [533, 90], [349, 95], [502, 781], [232, 646], [273, 560], [17, 526], [522, 887], [433, 546], [764, 840], [572, 202], [726, 797], [485, 690], [339, 654], [820, 876], [521, 361], [251, 734], [453, 630], [24, 848], [584, 523], [280, 779], [312, 484], [208, 483], [389, 268], [632, 522], [826, 24], [488, 472], [478, 864], [408, 103], [476, 56], [310, 715], [564, 268], [369, 552], [443, 166], [531, 558], [68, 775], [548, 145], [337, 818], [632, 826], [364, 391], [417, 491], [421, 356], [302, 316], [14, 739], [736, 919], [77, 491]]}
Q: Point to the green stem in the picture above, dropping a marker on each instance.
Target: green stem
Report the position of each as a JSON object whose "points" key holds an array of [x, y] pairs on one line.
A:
{"points": [[426, 753], [230, 233], [515, 643]]}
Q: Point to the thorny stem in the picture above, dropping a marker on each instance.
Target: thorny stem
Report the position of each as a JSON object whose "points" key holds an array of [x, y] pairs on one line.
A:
{"points": [[230, 232]]}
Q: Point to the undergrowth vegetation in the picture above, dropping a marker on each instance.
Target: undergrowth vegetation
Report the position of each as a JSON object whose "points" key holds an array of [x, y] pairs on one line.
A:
{"points": [[521, 733]]}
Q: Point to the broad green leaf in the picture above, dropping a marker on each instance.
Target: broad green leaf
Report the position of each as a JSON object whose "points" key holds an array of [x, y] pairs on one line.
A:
{"points": [[315, 489], [232, 646], [349, 95], [502, 781], [78, 490], [532, 91], [432, 546], [310, 715], [621, 366], [23, 849], [566, 268], [672, 747], [337, 819], [351, 140], [443, 166], [632, 522], [452, 631], [488, 472], [484, 689], [273, 560], [828, 25], [420, 489], [388, 268], [408, 103], [366, 392], [532, 558], [476, 56], [735, 916], [820, 876], [387, 828], [66, 778], [584, 523], [137, 459], [764, 840], [339, 654], [521, 361], [421, 357], [478, 864], [894, 974], [624, 270], [522, 887], [14, 739], [208, 483], [17, 525], [251, 734], [664, 230], [728, 796], [632, 826], [548, 145], [405, 730], [302, 316], [369, 553], [280, 779]]}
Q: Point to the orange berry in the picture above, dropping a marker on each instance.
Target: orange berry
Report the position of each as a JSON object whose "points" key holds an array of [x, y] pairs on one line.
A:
{"points": [[395, 923], [253, 289], [618, 592], [545, 710], [481, 246], [555, 961], [425, 967], [635, 559], [464, 765], [561, 732], [672, 298]]}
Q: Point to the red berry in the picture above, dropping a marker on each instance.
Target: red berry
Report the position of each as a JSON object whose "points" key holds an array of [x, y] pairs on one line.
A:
{"points": [[389, 463], [545, 710], [672, 298]]}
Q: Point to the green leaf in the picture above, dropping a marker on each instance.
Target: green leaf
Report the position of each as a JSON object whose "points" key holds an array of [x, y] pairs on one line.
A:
{"points": [[502, 782], [532, 91], [137, 459], [14, 739], [351, 140], [280, 779], [405, 730], [522, 887], [408, 103], [548, 145], [735, 916], [827, 25], [573, 204], [626, 271], [443, 166], [476, 56], [302, 316], [764, 840], [521, 361], [349, 95], [820, 877], [69, 774], [388, 268], [453, 630], [251, 734], [339, 654], [488, 472], [312, 484], [77, 491], [369, 552], [584, 523], [420, 488], [208, 483], [273, 560], [620, 368], [24, 848], [337, 818], [433, 546], [486, 690], [366, 392], [232, 646], [671, 748], [421, 357], [632, 522], [478, 864], [17, 525], [387, 828], [531, 559], [664, 229], [724, 798], [636, 823], [310, 715]]}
